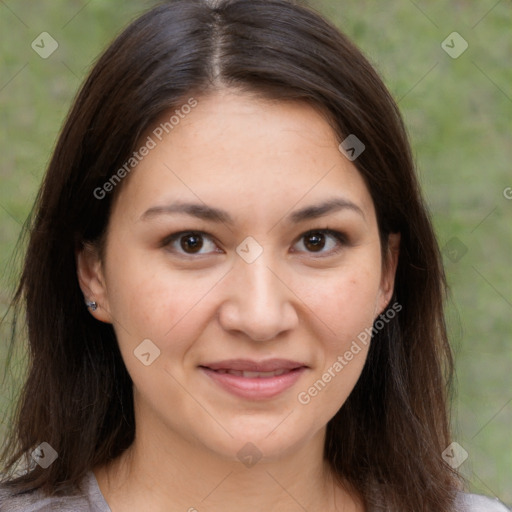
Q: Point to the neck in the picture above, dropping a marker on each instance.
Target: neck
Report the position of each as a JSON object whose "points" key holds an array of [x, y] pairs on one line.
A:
{"points": [[161, 472]]}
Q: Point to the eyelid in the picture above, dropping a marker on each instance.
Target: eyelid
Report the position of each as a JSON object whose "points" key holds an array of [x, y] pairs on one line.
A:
{"points": [[339, 236], [176, 236]]}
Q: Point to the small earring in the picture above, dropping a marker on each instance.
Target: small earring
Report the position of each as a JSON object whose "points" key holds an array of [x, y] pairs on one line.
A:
{"points": [[91, 304]]}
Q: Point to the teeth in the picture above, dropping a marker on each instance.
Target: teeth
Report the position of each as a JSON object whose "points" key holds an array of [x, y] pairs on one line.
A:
{"points": [[254, 375]]}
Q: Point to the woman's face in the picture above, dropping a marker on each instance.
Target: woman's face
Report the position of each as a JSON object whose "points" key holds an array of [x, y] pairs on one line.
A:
{"points": [[217, 253]]}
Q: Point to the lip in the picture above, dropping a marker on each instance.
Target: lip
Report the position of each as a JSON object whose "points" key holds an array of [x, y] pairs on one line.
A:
{"points": [[249, 365], [255, 388]]}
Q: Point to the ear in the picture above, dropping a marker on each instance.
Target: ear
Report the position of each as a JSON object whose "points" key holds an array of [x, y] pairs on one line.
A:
{"points": [[388, 273], [92, 281]]}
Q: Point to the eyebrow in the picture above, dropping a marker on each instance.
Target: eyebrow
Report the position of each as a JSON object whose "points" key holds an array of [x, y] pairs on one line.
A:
{"points": [[209, 213]]}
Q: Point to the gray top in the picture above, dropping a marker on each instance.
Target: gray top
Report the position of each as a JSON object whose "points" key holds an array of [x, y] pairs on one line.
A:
{"points": [[87, 499], [90, 499]]}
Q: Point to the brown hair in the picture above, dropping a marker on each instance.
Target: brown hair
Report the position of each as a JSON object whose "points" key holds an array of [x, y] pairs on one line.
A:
{"points": [[387, 439]]}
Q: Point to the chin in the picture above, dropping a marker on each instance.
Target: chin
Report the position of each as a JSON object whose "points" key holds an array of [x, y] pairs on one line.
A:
{"points": [[265, 441]]}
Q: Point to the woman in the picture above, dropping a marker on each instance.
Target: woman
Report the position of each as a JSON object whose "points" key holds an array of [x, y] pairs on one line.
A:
{"points": [[233, 198]]}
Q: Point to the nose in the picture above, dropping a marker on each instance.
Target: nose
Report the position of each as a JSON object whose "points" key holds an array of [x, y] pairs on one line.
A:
{"points": [[259, 302]]}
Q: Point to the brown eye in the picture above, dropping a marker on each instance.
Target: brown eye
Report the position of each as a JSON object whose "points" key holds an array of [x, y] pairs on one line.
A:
{"points": [[324, 242], [315, 242], [191, 243]]}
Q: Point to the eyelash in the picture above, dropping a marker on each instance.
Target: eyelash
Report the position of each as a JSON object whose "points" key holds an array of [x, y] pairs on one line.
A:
{"points": [[340, 238]]}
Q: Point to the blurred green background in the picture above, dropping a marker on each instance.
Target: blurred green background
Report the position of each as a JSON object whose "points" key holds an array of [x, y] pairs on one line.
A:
{"points": [[458, 112]]}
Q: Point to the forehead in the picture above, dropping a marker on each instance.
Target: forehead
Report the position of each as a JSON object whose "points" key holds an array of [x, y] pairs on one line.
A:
{"points": [[244, 153]]}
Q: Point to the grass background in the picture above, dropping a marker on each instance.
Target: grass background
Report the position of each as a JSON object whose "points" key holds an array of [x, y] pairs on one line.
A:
{"points": [[458, 113]]}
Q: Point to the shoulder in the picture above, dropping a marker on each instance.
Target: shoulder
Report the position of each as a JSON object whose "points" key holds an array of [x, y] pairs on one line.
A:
{"points": [[86, 499], [477, 503], [36, 501]]}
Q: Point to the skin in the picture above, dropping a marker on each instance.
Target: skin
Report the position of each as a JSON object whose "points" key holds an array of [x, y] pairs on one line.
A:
{"points": [[260, 161]]}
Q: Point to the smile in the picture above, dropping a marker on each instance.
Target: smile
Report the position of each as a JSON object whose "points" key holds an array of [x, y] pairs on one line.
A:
{"points": [[252, 380]]}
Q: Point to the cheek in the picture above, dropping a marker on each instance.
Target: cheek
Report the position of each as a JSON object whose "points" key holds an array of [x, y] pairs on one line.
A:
{"points": [[346, 304], [147, 300], [345, 301]]}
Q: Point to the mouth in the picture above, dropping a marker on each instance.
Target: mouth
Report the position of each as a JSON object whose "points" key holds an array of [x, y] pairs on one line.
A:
{"points": [[254, 375], [255, 380]]}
